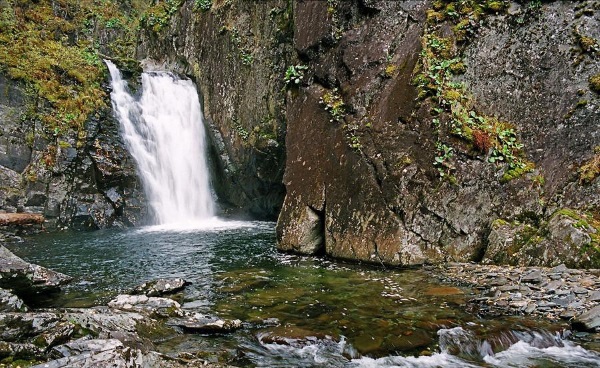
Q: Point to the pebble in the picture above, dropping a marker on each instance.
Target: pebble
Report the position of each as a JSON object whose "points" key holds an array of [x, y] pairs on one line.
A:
{"points": [[548, 293]]}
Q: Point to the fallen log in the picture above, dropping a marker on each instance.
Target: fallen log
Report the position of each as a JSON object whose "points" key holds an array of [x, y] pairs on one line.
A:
{"points": [[8, 219]]}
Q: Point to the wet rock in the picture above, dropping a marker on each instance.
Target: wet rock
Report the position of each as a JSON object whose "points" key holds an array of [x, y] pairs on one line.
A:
{"points": [[162, 307], [547, 298], [103, 321], [160, 287], [205, 325], [14, 327], [588, 321], [92, 353], [25, 351], [26, 279], [10, 302]]}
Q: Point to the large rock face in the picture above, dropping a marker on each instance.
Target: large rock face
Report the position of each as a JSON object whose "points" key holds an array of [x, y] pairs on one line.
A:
{"points": [[237, 53], [87, 185], [367, 181]]}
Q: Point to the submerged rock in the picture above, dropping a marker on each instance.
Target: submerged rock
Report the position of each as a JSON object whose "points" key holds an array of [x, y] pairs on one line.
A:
{"points": [[160, 287]]}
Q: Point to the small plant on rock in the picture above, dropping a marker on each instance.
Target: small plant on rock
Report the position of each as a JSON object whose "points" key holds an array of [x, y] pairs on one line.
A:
{"points": [[334, 104], [203, 5], [294, 74], [590, 170]]}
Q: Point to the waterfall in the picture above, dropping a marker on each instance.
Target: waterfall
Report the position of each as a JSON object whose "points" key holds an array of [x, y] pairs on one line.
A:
{"points": [[164, 132]]}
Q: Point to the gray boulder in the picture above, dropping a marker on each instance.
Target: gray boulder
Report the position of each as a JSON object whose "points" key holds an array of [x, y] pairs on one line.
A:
{"points": [[160, 287], [26, 279]]}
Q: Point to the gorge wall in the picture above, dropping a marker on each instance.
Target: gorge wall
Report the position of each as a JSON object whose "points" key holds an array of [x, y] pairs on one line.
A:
{"points": [[236, 52], [394, 132], [397, 148]]}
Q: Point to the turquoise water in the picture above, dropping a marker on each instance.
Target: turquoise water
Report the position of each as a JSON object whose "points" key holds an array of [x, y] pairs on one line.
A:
{"points": [[298, 311]]}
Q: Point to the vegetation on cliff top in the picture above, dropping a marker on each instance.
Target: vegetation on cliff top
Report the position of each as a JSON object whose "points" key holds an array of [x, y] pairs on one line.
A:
{"points": [[54, 48]]}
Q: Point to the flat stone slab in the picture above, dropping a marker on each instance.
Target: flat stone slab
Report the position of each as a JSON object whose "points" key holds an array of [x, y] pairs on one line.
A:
{"points": [[588, 321], [24, 278], [207, 325], [160, 287]]}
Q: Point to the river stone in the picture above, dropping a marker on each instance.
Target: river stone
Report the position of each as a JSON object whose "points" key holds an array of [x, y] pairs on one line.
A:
{"points": [[25, 279], [559, 269], [10, 302], [594, 297], [534, 277], [24, 351], [587, 321], [162, 307], [59, 334], [13, 326], [103, 320], [201, 324], [160, 287]]}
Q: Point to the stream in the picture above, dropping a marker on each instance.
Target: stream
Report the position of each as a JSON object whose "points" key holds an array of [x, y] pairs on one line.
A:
{"points": [[298, 311]]}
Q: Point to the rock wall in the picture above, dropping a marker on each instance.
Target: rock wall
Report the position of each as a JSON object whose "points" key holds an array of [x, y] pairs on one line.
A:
{"points": [[363, 150], [89, 185], [236, 52]]}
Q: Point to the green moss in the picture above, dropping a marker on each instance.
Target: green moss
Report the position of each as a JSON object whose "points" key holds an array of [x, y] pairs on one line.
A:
{"points": [[590, 170], [59, 62], [587, 44], [390, 70], [495, 6], [497, 223], [595, 83], [154, 331], [434, 17], [517, 172]]}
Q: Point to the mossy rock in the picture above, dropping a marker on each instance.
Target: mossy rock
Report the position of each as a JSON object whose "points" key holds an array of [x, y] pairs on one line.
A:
{"points": [[595, 83]]}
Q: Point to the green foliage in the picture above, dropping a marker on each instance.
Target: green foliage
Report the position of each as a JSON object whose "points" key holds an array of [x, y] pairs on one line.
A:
{"points": [[294, 74], [246, 57], [113, 23], [440, 63], [240, 130], [203, 5], [442, 160], [158, 16], [334, 104]]}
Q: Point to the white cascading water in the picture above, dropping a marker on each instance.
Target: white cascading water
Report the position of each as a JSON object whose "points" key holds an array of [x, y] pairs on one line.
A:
{"points": [[164, 133]]}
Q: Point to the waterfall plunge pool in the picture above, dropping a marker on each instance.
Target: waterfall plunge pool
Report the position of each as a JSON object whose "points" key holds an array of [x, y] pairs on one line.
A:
{"points": [[297, 311]]}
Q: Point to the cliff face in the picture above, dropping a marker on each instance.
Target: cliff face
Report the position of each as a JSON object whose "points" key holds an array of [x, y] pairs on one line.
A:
{"points": [[86, 184], [415, 131], [236, 52], [391, 160]]}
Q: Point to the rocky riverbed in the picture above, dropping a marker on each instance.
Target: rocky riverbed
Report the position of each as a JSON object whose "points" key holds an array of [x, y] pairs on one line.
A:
{"points": [[121, 334], [557, 293]]}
